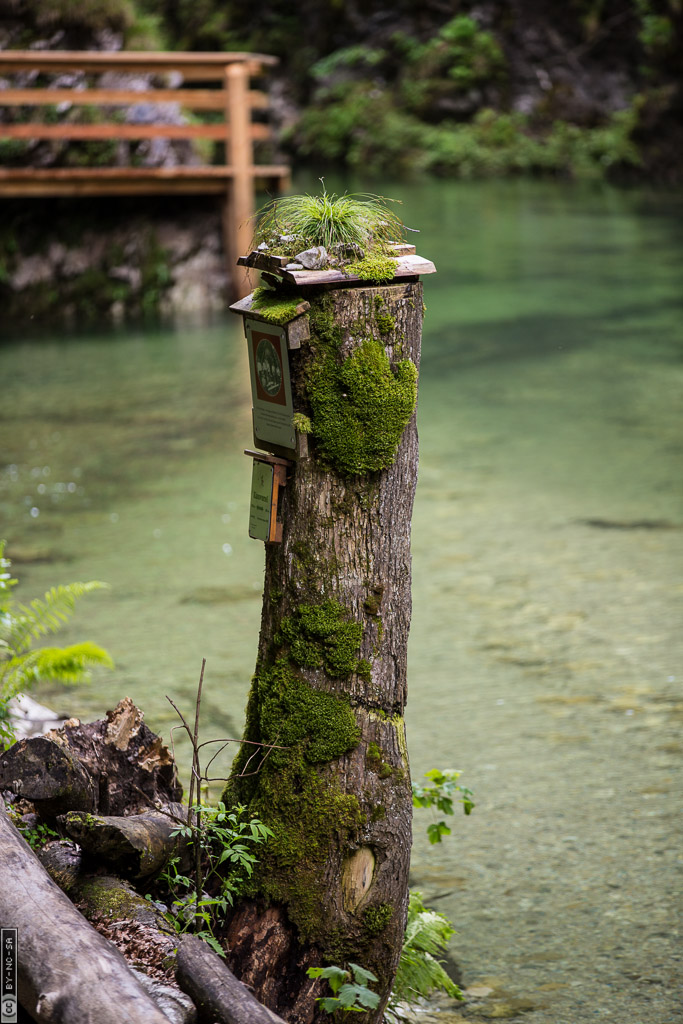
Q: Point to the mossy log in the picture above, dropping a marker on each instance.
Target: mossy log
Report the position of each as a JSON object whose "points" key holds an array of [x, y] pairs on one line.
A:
{"points": [[97, 896], [138, 845], [330, 681], [219, 997], [68, 972], [50, 775]]}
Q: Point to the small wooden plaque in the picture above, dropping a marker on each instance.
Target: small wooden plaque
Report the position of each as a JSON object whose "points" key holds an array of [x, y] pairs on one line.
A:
{"points": [[269, 474], [271, 390]]}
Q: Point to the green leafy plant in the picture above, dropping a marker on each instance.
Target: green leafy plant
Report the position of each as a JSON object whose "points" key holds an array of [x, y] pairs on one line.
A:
{"points": [[362, 220], [21, 666], [439, 794], [420, 973], [221, 840], [35, 835], [350, 991]]}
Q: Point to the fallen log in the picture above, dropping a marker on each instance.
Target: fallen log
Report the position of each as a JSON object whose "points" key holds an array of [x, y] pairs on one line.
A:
{"points": [[68, 973], [138, 845], [218, 995], [48, 774], [63, 861], [133, 768], [99, 897], [135, 925], [115, 765]]}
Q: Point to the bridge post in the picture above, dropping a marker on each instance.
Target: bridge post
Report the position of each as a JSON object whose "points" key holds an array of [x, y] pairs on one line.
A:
{"points": [[239, 201]]}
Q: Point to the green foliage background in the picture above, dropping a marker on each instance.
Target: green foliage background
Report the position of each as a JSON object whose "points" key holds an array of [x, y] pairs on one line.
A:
{"points": [[590, 87]]}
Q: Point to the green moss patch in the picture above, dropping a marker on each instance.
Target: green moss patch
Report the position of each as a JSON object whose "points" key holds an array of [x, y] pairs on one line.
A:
{"points": [[321, 636], [373, 601], [308, 814], [376, 763], [293, 713], [377, 918], [275, 307], [360, 406], [302, 423], [306, 810], [291, 790], [376, 266]]}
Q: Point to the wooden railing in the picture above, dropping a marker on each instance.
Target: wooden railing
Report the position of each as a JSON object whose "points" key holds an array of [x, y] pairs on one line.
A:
{"points": [[225, 89]]}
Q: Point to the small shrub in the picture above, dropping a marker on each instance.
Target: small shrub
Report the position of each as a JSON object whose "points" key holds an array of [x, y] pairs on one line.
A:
{"points": [[350, 991], [218, 838], [328, 220], [440, 794]]}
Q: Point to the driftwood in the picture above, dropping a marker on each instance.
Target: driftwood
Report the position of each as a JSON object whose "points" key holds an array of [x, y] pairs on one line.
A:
{"points": [[135, 925], [68, 972], [139, 845], [214, 989], [48, 774]]}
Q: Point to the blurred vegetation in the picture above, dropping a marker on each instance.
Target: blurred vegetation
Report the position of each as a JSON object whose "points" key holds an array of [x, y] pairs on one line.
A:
{"points": [[590, 87]]}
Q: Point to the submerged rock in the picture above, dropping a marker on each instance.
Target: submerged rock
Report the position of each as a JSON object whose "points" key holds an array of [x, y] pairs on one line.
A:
{"points": [[29, 718]]}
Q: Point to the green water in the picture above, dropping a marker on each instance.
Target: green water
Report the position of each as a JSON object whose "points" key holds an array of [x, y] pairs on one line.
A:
{"points": [[546, 643]]}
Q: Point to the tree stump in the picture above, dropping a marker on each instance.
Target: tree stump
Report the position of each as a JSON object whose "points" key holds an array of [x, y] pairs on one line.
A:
{"points": [[330, 680]]}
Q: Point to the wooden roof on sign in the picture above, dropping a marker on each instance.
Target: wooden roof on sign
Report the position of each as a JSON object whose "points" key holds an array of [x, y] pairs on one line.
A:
{"points": [[408, 264], [244, 307]]}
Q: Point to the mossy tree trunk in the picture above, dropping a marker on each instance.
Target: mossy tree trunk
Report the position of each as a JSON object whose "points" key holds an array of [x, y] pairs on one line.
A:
{"points": [[330, 682]]}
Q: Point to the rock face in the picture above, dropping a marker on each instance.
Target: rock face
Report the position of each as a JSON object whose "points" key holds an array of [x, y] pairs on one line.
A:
{"points": [[113, 266], [76, 260]]}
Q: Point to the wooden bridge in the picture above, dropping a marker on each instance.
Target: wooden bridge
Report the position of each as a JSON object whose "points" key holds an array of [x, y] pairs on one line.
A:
{"points": [[219, 83]]}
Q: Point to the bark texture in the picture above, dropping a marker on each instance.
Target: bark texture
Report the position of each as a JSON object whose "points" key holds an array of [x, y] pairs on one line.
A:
{"points": [[330, 682], [41, 770]]}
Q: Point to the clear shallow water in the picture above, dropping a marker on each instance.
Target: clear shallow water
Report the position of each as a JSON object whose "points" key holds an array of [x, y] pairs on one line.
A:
{"points": [[546, 644]]}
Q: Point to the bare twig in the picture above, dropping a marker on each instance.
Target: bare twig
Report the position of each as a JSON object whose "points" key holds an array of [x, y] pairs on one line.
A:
{"points": [[194, 737]]}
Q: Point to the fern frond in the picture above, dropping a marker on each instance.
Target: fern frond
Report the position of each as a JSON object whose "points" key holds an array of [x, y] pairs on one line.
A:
{"points": [[46, 615], [66, 665], [16, 675], [69, 665], [428, 932], [419, 972], [421, 975], [7, 733]]}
